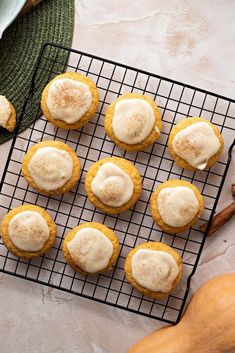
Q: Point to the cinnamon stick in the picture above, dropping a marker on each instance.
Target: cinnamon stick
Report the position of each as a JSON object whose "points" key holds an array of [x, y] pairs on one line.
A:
{"points": [[219, 219], [233, 189]]}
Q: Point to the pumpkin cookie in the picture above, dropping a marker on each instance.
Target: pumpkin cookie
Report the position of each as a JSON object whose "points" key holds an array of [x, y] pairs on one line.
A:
{"points": [[133, 122], [91, 248], [70, 100], [195, 143], [51, 167], [113, 184], [28, 231], [154, 269], [7, 114], [176, 205]]}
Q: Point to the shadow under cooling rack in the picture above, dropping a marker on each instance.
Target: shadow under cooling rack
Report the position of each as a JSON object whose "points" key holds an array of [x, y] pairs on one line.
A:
{"points": [[176, 101]]}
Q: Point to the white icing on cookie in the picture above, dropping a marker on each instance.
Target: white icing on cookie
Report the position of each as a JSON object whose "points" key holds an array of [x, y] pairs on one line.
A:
{"points": [[196, 144], [112, 185], [68, 100], [28, 231], [50, 168], [154, 270], [133, 120], [5, 111], [177, 206], [90, 249]]}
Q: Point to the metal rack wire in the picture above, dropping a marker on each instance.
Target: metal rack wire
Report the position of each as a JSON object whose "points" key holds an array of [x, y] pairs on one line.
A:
{"points": [[176, 101]]}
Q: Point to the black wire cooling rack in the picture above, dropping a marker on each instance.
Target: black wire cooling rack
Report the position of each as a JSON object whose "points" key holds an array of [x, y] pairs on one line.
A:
{"points": [[176, 101]]}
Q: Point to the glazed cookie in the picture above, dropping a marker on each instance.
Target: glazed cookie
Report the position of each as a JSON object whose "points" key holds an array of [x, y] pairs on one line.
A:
{"points": [[7, 114], [154, 269], [133, 122], [51, 167], [28, 231], [70, 100], [91, 248], [195, 143], [113, 184], [176, 205]]}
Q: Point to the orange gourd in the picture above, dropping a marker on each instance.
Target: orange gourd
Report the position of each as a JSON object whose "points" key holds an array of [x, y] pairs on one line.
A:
{"points": [[208, 325]]}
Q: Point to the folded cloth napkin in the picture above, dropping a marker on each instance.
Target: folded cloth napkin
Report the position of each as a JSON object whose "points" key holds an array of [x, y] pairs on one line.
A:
{"points": [[49, 21]]}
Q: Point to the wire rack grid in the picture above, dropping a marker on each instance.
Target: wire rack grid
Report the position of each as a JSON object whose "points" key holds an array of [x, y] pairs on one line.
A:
{"points": [[176, 101]]}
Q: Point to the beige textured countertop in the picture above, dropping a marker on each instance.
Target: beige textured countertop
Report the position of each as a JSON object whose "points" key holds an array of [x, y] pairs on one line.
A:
{"points": [[190, 41]]}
